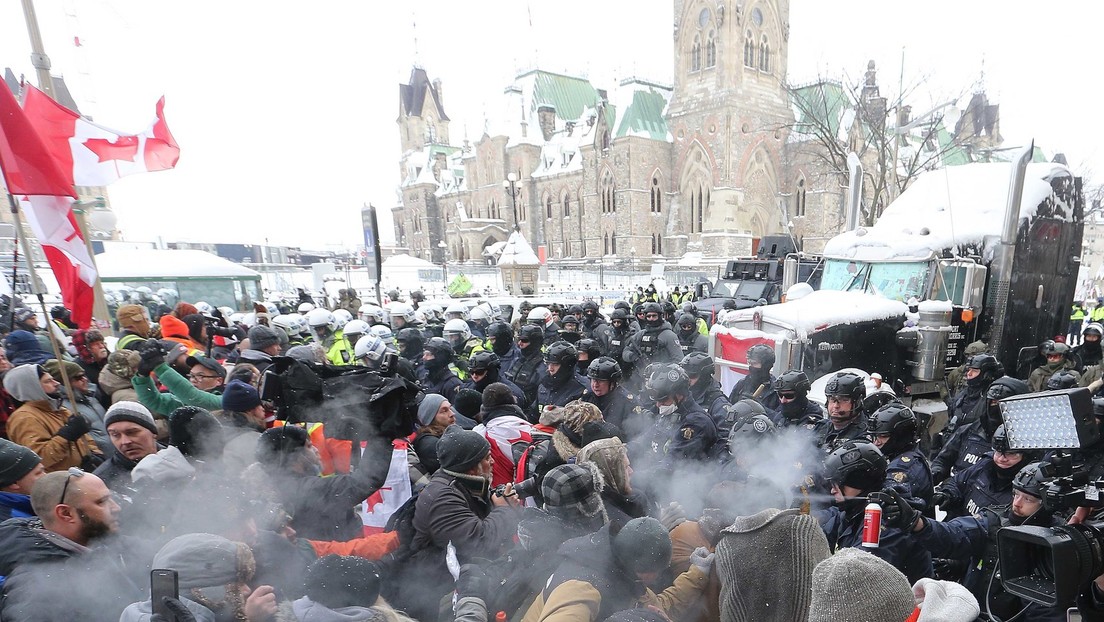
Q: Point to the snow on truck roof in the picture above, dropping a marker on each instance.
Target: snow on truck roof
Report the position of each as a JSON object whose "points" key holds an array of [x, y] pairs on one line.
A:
{"points": [[946, 208], [823, 308], [148, 263]]}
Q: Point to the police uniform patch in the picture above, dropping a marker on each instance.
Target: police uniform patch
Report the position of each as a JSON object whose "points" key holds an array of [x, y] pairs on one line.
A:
{"points": [[687, 433], [629, 395], [759, 425], [906, 459], [899, 477]]}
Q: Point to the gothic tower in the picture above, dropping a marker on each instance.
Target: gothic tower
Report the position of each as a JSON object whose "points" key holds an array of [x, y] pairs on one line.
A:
{"points": [[728, 116]]}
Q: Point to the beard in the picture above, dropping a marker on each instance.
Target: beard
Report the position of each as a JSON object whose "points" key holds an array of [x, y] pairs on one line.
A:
{"points": [[92, 528]]}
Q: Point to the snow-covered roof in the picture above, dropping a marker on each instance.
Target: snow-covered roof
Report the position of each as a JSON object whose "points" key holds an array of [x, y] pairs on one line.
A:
{"points": [[149, 263], [948, 208], [823, 308], [494, 249], [403, 260], [517, 252]]}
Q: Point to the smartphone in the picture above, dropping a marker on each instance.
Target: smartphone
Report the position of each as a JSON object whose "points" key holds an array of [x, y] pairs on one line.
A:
{"points": [[389, 362], [270, 386], [163, 584]]}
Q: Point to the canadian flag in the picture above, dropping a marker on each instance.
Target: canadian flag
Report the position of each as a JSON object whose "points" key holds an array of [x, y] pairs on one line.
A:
{"points": [[93, 155], [46, 195]]}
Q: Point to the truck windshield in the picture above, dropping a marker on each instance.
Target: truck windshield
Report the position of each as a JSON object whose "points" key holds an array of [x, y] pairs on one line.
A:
{"points": [[893, 280], [748, 290]]}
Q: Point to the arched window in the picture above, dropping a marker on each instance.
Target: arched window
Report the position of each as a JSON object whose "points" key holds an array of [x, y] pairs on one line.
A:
{"points": [[606, 193], [695, 54], [711, 50], [764, 55], [657, 196], [605, 244], [565, 204], [522, 212], [548, 206], [799, 198], [613, 243], [749, 50]]}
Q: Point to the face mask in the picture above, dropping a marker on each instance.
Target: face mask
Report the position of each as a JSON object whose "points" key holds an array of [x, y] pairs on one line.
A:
{"points": [[667, 410]]}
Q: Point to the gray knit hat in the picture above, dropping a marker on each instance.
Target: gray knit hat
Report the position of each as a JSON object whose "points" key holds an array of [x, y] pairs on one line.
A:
{"points": [[427, 410], [642, 545], [765, 565], [16, 461], [854, 586], [261, 337], [206, 560], [132, 412], [459, 450]]}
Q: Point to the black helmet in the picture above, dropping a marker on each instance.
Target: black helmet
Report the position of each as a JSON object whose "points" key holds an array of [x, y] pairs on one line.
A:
{"points": [[1054, 347], [59, 312], [687, 323], [793, 381], [589, 307], [569, 319], [898, 421], [1063, 379], [688, 307], [533, 334], [622, 304], [653, 307], [604, 368], [1032, 479], [409, 335], [501, 335], [590, 346], [561, 352], [441, 349], [668, 308], [762, 353], [749, 431], [846, 384], [483, 360], [741, 410], [697, 365], [1000, 440], [619, 314], [857, 464], [1006, 386], [667, 381], [877, 399], [988, 365]]}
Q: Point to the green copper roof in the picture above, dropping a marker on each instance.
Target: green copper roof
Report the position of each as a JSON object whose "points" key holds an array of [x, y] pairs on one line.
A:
{"points": [[820, 104], [644, 116], [568, 95]]}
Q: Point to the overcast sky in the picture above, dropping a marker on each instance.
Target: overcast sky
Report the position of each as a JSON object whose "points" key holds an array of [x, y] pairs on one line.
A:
{"points": [[285, 112]]}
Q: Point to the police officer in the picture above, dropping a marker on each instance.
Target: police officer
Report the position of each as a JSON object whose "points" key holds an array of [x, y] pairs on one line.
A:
{"points": [[655, 343], [733, 415], [758, 381], [593, 323], [845, 421], [529, 369], [974, 539], [794, 407], [981, 371], [570, 329], [588, 350], [896, 432], [616, 337], [484, 368], [411, 346], [560, 385], [856, 469], [1057, 357], [705, 390], [463, 343], [1076, 319], [1089, 352], [973, 440], [501, 338], [690, 340], [605, 392], [689, 307], [436, 375], [985, 484], [682, 431]]}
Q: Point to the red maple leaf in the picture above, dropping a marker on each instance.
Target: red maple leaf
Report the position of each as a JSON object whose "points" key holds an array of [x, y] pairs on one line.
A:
{"points": [[376, 498], [122, 148]]}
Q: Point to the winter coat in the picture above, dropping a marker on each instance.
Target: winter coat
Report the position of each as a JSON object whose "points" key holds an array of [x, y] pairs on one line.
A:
{"points": [[35, 424], [441, 381], [556, 392], [503, 426], [115, 471], [15, 505], [965, 448], [616, 406], [175, 330], [708, 394], [22, 347], [653, 344], [973, 489], [911, 470], [1039, 376], [181, 392], [589, 586], [94, 412]]}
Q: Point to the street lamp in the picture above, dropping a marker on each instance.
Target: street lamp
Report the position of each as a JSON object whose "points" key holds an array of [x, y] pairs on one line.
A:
{"points": [[444, 262], [510, 186]]}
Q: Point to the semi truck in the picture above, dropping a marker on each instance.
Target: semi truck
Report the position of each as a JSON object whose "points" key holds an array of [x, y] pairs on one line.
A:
{"points": [[978, 251]]}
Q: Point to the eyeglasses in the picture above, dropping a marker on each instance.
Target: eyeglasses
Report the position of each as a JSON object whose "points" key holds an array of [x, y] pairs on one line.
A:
{"points": [[787, 396], [200, 376], [73, 472]]}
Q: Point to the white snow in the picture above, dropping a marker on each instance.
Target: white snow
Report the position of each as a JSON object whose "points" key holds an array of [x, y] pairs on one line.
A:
{"points": [[147, 263], [936, 306], [403, 260], [517, 252], [944, 209], [823, 308]]}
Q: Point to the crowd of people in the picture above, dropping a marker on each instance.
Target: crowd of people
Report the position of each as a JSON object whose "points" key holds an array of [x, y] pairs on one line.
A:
{"points": [[565, 463]]}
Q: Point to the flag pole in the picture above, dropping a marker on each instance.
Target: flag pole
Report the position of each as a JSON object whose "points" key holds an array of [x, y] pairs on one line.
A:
{"points": [[32, 277]]}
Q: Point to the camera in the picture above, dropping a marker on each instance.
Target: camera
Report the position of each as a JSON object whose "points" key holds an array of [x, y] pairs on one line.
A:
{"points": [[527, 488]]}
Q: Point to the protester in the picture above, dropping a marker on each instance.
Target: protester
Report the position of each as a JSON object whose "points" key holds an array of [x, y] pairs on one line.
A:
{"points": [[59, 437]]}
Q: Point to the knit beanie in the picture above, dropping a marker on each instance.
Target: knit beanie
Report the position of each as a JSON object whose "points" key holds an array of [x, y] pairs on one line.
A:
{"points": [[597, 430], [261, 337], [277, 444], [427, 410], [945, 601], [206, 560], [240, 397], [467, 402], [497, 394], [765, 564], [132, 412], [196, 433], [337, 581], [642, 545], [194, 322], [573, 491], [459, 450], [856, 586], [16, 461]]}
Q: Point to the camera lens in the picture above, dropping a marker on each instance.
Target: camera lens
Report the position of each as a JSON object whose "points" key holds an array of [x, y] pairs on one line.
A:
{"points": [[527, 488]]}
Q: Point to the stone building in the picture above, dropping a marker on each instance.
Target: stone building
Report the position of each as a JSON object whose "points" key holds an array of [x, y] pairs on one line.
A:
{"points": [[694, 171]]}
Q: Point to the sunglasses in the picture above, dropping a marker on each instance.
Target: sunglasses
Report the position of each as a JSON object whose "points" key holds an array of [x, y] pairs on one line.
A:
{"points": [[73, 472], [523, 341], [787, 396]]}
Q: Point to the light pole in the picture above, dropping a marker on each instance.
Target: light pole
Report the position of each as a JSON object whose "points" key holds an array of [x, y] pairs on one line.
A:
{"points": [[444, 263], [510, 186]]}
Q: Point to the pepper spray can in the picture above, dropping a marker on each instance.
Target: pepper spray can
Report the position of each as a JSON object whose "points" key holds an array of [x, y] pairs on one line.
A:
{"points": [[872, 526]]}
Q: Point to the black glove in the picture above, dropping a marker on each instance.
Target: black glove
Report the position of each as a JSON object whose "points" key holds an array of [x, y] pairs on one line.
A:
{"points": [[896, 511], [75, 427], [939, 498], [177, 612], [152, 356], [472, 582]]}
